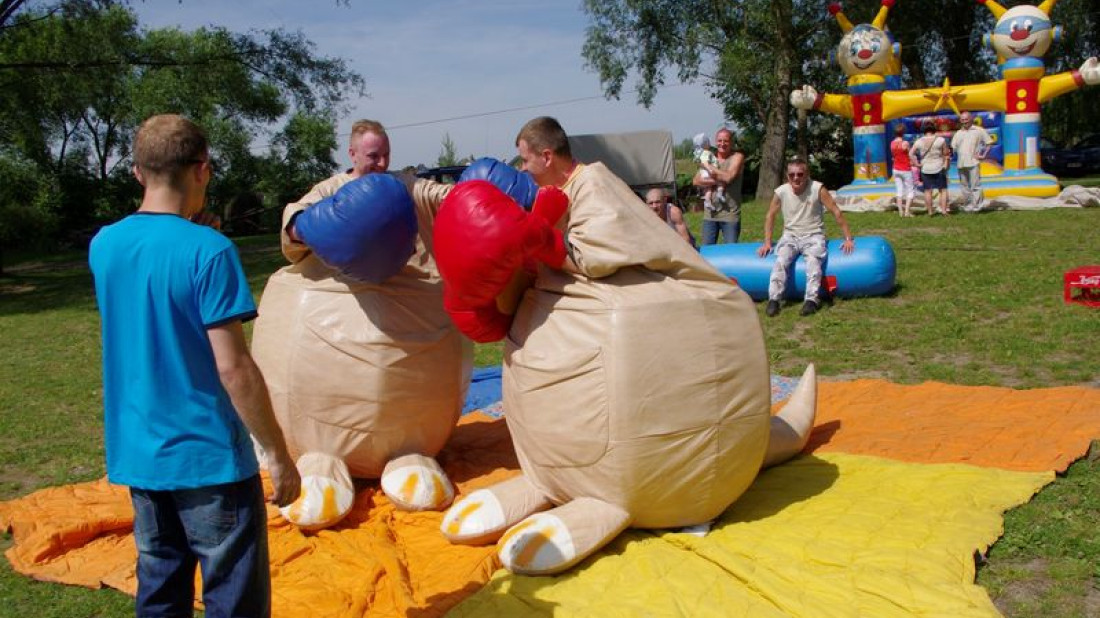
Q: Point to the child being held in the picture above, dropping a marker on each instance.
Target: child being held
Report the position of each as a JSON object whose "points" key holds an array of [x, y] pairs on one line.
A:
{"points": [[707, 161]]}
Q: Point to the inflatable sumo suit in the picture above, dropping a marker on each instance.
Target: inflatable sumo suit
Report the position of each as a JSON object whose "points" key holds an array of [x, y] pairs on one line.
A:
{"points": [[637, 392], [366, 379]]}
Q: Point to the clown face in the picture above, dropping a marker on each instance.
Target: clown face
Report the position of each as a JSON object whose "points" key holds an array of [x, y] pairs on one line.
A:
{"points": [[864, 50], [1021, 32]]}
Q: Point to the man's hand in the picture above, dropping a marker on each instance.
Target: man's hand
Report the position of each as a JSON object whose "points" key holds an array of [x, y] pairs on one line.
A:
{"points": [[1090, 71], [848, 246], [764, 249], [285, 480], [804, 98]]}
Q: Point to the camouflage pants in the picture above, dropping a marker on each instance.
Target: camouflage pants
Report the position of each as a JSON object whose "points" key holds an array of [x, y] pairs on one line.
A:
{"points": [[813, 248]]}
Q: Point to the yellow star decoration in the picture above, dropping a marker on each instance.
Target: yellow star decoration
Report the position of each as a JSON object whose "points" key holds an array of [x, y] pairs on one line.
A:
{"points": [[945, 94]]}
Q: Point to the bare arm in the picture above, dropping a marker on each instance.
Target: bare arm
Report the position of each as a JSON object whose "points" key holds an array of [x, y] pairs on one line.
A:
{"points": [[830, 205], [676, 217], [769, 222], [699, 180], [731, 171], [294, 250], [248, 391]]}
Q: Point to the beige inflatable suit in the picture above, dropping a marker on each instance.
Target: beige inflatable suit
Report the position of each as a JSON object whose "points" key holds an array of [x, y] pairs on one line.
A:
{"points": [[366, 380], [637, 392]]}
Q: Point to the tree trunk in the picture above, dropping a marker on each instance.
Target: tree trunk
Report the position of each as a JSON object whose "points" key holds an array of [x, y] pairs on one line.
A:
{"points": [[775, 130], [803, 135]]}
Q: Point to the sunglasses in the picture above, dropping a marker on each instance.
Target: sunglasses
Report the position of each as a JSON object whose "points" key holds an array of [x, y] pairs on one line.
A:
{"points": [[796, 175]]}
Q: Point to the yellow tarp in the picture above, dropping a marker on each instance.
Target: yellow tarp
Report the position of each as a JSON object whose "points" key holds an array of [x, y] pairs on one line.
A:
{"points": [[826, 534]]}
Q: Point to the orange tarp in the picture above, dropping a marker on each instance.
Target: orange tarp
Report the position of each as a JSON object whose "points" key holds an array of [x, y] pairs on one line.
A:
{"points": [[378, 561], [382, 562], [1025, 430]]}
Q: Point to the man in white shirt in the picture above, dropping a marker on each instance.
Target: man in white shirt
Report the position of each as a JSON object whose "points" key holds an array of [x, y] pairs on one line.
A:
{"points": [[803, 202], [971, 143]]}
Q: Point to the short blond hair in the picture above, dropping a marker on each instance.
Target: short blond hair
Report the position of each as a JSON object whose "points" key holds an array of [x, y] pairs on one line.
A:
{"points": [[363, 125], [166, 144]]}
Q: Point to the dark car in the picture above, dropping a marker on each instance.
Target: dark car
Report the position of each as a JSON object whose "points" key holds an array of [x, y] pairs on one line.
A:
{"points": [[449, 174], [1052, 157], [1077, 160], [1083, 157]]}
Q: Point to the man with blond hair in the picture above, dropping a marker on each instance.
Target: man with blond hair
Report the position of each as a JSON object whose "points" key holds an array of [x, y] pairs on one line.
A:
{"points": [[181, 392], [367, 374]]}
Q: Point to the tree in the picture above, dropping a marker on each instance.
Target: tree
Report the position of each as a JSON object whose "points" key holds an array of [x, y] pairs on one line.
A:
{"points": [[75, 81], [747, 53], [448, 156], [301, 154]]}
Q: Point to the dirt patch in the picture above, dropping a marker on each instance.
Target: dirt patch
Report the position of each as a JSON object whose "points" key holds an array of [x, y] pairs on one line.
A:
{"points": [[15, 485], [856, 375], [1031, 584], [45, 266], [17, 288]]}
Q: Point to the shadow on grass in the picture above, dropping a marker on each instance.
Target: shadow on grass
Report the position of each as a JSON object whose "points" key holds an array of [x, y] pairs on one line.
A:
{"points": [[66, 282], [46, 289]]}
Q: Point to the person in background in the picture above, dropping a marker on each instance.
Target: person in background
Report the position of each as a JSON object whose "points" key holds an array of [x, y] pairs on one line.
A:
{"points": [[903, 170], [972, 144], [657, 200], [181, 392], [934, 155], [705, 158], [803, 202], [724, 215]]}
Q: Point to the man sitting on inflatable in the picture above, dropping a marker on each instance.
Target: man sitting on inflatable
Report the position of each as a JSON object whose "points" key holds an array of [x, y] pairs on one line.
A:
{"points": [[635, 381]]}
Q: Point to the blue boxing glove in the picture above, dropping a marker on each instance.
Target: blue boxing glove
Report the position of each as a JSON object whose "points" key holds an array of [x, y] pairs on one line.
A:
{"points": [[367, 230], [519, 186]]}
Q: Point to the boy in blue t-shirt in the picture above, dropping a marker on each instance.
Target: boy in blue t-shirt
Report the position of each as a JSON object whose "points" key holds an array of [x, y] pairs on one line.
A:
{"points": [[181, 391]]}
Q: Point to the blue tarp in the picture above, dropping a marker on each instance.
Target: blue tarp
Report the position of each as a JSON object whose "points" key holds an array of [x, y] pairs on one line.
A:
{"points": [[485, 390]]}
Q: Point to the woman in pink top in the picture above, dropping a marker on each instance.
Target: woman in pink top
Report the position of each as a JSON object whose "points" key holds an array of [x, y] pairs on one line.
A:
{"points": [[903, 170]]}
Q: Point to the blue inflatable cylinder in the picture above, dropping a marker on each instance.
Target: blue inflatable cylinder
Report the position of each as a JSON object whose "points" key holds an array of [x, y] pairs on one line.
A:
{"points": [[869, 270]]}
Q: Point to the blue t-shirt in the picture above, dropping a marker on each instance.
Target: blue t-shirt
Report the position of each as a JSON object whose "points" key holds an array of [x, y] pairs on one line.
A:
{"points": [[161, 282]]}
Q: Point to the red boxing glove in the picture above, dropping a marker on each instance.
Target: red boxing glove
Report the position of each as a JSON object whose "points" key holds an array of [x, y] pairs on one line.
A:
{"points": [[482, 238], [543, 241], [483, 325]]}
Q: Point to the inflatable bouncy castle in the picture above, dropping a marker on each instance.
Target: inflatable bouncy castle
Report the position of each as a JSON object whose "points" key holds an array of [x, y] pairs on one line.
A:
{"points": [[1009, 108]]}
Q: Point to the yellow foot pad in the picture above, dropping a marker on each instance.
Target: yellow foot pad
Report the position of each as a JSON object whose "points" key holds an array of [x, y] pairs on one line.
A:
{"points": [[485, 514], [553, 541], [327, 493], [474, 520], [417, 483]]}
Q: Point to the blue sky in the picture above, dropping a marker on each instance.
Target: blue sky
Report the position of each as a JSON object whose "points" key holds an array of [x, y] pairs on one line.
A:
{"points": [[433, 60]]}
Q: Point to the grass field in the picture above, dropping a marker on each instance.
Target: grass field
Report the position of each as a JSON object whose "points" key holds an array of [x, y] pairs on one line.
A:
{"points": [[978, 301]]}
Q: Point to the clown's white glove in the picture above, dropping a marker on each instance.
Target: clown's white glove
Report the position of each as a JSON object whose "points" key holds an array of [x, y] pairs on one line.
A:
{"points": [[804, 98], [1090, 71]]}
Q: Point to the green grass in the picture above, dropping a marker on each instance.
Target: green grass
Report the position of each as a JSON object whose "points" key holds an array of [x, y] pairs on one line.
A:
{"points": [[979, 301]]}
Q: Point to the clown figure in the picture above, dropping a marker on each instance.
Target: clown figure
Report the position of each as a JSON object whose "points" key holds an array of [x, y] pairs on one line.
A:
{"points": [[1021, 38], [870, 60]]}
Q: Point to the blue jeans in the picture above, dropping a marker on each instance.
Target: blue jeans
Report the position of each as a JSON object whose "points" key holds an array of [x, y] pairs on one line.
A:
{"points": [[731, 231], [221, 527]]}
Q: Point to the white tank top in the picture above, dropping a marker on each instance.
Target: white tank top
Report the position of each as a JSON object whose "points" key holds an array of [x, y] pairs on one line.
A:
{"points": [[803, 214]]}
